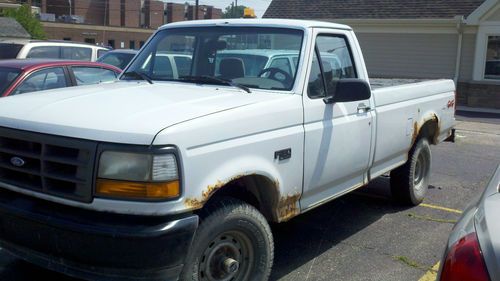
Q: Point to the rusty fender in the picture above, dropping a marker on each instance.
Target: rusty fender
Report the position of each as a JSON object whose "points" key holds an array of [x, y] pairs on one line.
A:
{"points": [[283, 209], [417, 127]]}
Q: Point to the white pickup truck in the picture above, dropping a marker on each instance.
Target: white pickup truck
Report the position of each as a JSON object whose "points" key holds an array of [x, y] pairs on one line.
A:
{"points": [[164, 177]]}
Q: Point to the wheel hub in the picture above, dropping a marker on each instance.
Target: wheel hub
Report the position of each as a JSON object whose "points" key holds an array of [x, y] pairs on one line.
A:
{"points": [[223, 259]]}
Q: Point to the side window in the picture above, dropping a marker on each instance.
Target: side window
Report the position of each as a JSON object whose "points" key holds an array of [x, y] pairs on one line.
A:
{"points": [[163, 68], [283, 64], [92, 75], [316, 87], [44, 52], [45, 79], [336, 63], [183, 65], [101, 52], [77, 53]]}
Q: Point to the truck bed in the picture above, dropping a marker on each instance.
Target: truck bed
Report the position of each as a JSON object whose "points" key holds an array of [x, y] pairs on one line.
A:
{"points": [[378, 83]]}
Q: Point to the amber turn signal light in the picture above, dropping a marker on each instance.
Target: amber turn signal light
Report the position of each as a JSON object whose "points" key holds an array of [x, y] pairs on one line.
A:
{"points": [[137, 190]]}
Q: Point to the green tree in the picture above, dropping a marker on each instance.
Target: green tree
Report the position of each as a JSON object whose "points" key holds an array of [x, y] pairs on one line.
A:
{"points": [[24, 16], [233, 12]]}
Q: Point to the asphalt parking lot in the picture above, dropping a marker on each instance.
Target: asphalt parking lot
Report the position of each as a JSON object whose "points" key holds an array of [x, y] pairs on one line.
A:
{"points": [[364, 235]]}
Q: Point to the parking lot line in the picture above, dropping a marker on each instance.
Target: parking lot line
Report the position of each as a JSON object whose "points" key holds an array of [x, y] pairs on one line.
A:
{"points": [[431, 275], [431, 206]]}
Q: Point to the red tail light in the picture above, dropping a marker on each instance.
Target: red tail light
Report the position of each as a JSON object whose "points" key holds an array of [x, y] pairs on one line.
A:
{"points": [[465, 261]]}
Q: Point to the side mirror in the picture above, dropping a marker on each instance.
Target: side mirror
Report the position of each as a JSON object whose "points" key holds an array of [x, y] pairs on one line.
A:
{"points": [[348, 90]]}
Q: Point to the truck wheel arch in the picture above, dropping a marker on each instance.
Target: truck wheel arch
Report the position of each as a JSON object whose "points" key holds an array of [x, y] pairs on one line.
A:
{"points": [[255, 189], [428, 127]]}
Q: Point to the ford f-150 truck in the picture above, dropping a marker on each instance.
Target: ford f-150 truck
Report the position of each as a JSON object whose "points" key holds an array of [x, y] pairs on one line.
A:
{"points": [[163, 177]]}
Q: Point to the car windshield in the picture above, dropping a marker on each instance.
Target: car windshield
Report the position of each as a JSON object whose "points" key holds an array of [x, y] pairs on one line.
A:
{"points": [[236, 55], [9, 51], [7, 76], [119, 60]]}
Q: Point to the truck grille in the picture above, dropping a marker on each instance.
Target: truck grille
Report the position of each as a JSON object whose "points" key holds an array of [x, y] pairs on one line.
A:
{"points": [[48, 164]]}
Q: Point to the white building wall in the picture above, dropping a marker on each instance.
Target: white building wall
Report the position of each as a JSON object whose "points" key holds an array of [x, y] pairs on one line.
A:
{"points": [[412, 55], [467, 62]]}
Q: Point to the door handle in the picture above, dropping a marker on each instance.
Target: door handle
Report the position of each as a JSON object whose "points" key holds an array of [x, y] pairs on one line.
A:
{"points": [[362, 108]]}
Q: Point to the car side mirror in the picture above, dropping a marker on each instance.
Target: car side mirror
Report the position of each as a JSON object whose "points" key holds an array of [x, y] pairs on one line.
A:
{"points": [[347, 90]]}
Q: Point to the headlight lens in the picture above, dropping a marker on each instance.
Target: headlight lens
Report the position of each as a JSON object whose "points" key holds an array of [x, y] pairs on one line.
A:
{"points": [[135, 175]]}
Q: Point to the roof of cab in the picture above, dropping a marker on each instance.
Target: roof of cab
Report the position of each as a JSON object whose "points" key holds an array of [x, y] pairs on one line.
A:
{"points": [[285, 23]]}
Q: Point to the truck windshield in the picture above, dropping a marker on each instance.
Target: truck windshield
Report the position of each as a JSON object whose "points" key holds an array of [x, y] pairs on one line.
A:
{"points": [[240, 55], [7, 76], [9, 51]]}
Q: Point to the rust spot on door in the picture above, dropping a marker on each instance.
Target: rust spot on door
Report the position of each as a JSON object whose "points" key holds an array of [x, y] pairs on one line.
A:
{"points": [[288, 207]]}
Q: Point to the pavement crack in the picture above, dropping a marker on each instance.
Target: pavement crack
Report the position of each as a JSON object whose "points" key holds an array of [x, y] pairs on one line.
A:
{"points": [[411, 263]]}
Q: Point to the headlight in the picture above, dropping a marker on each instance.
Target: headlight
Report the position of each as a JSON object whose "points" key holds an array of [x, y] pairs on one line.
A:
{"points": [[139, 176]]}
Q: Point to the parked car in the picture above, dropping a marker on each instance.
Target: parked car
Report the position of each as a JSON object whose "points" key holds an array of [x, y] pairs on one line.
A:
{"points": [[473, 248], [168, 65], [180, 175], [119, 58], [24, 76], [39, 49]]}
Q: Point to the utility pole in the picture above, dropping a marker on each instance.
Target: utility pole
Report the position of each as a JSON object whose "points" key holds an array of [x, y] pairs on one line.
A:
{"points": [[196, 9]]}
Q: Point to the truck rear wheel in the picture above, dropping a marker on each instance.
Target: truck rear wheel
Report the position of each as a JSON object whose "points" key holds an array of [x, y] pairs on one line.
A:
{"points": [[233, 242], [410, 182]]}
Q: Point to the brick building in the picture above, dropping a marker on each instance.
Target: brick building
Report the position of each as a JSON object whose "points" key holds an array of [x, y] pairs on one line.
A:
{"points": [[115, 23]]}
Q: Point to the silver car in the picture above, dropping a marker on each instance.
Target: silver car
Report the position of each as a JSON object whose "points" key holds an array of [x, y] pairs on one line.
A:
{"points": [[473, 250]]}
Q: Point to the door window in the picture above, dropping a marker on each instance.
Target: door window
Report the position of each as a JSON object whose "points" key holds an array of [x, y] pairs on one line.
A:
{"points": [[183, 65], [44, 52], [332, 61], [92, 75], [77, 53], [283, 64], [9, 51], [46, 79], [101, 52]]}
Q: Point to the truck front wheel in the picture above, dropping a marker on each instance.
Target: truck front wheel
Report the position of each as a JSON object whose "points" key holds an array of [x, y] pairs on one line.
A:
{"points": [[410, 182], [233, 242]]}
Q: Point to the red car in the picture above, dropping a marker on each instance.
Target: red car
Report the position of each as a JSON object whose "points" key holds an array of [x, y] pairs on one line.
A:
{"points": [[23, 76]]}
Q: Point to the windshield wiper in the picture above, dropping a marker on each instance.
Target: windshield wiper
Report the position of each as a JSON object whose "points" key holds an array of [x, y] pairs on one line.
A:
{"points": [[138, 74], [205, 79]]}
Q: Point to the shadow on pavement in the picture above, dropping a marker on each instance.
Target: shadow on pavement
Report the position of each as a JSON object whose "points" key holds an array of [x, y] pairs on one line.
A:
{"points": [[308, 236]]}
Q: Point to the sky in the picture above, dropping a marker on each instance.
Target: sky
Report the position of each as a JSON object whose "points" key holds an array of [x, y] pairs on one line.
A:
{"points": [[259, 6]]}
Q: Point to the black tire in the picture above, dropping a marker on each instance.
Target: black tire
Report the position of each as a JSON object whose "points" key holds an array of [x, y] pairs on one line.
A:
{"points": [[410, 182], [230, 230]]}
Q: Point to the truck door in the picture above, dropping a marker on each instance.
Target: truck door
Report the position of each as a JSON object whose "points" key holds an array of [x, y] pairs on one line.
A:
{"points": [[338, 136]]}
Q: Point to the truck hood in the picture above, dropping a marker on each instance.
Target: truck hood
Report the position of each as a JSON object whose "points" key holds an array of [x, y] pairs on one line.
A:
{"points": [[123, 112]]}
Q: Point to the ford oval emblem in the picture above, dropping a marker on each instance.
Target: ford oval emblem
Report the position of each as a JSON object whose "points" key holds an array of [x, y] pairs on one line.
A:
{"points": [[17, 161]]}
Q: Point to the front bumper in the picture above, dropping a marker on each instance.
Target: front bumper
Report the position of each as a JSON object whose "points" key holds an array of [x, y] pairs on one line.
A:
{"points": [[94, 245]]}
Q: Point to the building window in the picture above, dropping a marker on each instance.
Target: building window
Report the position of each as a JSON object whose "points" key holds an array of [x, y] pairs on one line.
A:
{"points": [[111, 43], [90, 40], [67, 38], [492, 68], [141, 43], [132, 44]]}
